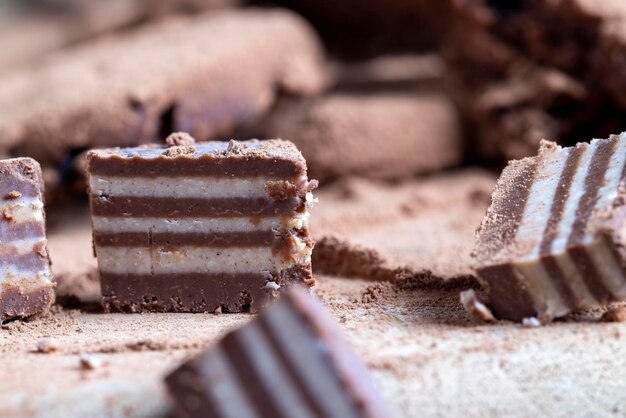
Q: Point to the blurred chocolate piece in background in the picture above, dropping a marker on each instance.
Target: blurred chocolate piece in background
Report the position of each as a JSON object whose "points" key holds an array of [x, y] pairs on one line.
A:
{"points": [[383, 135], [354, 29], [510, 103], [31, 29], [509, 96]]}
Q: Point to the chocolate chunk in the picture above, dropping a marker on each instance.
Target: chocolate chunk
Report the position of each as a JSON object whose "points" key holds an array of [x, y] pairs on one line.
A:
{"points": [[25, 274], [382, 135], [200, 80], [552, 242], [290, 361], [196, 232]]}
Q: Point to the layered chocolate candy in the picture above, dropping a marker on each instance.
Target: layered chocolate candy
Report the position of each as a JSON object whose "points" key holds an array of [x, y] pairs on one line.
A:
{"points": [[26, 286], [290, 362], [552, 240], [199, 227]]}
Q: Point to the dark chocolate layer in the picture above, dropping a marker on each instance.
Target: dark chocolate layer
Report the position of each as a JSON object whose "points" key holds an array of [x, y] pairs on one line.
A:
{"points": [[508, 295], [17, 304], [212, 239], [194, 292], [133, 206], [30, 261], [587, 268], [10, 231], [204, 165], [280, 243], [593, 181]]}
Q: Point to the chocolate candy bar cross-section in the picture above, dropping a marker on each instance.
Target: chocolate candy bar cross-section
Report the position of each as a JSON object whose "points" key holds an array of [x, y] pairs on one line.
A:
{"points": [[194, 228]]}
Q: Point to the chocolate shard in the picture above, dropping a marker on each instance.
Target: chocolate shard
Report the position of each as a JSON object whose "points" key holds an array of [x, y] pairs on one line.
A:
{"points": [[26, 286], [291, 361], [198, 231], [552, 241]]}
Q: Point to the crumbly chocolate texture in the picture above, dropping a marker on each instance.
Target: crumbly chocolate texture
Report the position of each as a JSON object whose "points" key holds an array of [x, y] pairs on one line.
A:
{"points": [[510, 102], [201, 83], [292, 359], [25, 279], [379, 135], [551, 242]]}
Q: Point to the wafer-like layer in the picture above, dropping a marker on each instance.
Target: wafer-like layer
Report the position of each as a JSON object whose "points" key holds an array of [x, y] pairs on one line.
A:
{"points": [[217, 211], [25, 277], [290, 362], [548, 244]]}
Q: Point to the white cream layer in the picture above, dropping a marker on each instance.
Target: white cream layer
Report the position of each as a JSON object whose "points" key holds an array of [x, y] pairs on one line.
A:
{"points": [[23, 209], [22, 246], [141, 260], [176, 187], [25, 280]]}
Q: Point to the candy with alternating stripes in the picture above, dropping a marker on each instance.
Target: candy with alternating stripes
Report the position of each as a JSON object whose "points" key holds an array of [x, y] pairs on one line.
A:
{"points": [[552, 240], [290, 362], [26, 286], [198, 227]]}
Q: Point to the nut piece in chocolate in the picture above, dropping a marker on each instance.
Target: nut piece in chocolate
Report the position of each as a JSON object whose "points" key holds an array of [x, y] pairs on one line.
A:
{"points": [[552, 241], [200, 230], [25, 276], [291, 361]]}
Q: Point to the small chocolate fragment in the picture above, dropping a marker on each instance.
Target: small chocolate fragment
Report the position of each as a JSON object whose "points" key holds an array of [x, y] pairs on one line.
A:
{"points": [[180, 139], [617, 314], [552, 240], [199, 231], [475, 307], [25, 277], [292, 361], [91, 362], [46, 346]]}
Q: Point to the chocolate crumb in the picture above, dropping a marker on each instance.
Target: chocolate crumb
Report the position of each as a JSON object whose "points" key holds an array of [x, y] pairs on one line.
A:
{"points": [[40, 248], [617, 314], [14, 194], [177, 150], [281, 189], [180, 139], [235, 147], [476, 308], [531, 322], [91, 362], [46, 346], [6, 214]]}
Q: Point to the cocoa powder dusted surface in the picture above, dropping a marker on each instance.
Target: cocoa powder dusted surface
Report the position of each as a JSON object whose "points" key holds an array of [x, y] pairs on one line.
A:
{"points": [[428, 356], [419, 230]]}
